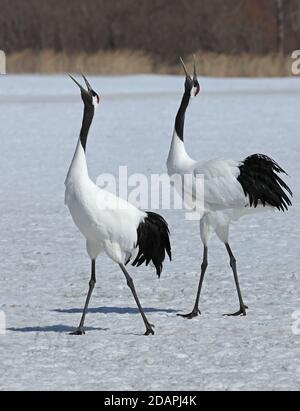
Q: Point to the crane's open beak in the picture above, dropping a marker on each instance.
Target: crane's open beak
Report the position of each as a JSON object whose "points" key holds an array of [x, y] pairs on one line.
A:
{"points": [[184, 67], [195, 77], [89, 87], [90, 92]]}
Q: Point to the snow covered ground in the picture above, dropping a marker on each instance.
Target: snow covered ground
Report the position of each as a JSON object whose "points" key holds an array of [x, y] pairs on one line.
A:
{"points": [[44, 269]]}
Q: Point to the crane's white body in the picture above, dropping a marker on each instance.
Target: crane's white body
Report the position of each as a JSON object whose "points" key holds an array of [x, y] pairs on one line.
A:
{"points": [[221, 199], [108, 223]]}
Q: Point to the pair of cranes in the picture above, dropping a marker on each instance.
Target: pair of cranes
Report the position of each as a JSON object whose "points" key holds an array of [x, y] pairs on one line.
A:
{"points": [[126, 234]]}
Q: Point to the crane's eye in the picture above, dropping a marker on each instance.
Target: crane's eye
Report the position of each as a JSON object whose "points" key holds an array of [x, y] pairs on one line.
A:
{"points": [[197, 86], [94, 94]]}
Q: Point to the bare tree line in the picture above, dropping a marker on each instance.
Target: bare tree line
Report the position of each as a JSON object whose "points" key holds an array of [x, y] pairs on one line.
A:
{"points": [[163, 28]]}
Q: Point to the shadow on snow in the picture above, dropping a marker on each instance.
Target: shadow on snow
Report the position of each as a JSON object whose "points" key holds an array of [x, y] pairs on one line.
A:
{"points": [[115, 310], [59, 328]]}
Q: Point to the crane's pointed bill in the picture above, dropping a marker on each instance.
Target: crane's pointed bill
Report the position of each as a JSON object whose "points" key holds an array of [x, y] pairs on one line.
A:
{"points": [[184, 67], [76, 82], [89, 87], [195, 68]]}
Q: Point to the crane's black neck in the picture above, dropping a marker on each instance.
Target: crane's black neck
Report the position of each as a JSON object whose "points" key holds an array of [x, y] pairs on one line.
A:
{"points": [[88, 115], [179, 123]]}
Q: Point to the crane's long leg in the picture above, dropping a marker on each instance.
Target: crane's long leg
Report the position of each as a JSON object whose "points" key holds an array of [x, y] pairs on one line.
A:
{"points": [[243, 307], [196, 310], [149, 329], [80, 329]]}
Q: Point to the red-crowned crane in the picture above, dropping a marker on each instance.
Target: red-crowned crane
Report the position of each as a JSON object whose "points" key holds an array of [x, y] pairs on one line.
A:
{"points": [[110, 224], [227, 189]]}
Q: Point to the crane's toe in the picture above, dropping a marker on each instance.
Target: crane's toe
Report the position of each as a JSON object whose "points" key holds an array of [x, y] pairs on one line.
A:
{"points": [[191, 315], [149, 330], [240, 312], [79, 331]]}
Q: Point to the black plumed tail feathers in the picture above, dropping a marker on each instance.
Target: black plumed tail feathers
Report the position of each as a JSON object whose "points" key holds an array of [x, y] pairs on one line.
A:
{"points": [[260, 181], [153, 241]]}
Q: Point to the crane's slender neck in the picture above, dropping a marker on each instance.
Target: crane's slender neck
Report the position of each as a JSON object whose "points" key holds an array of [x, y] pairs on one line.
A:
{"points": [[88, 115], [78, 168], [178, 160], [179, 122]]}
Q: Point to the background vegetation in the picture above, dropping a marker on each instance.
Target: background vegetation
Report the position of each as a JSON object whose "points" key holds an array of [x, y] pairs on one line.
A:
{"points": [[231, 37]]}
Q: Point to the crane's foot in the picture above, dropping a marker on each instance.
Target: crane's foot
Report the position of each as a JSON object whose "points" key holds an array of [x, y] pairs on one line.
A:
{"points": [[242, 312], [149, 329], [191, 315], [79, 331]]}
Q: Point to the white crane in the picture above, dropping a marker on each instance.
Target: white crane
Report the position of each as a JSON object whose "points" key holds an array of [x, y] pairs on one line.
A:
{"points": [[110, 224], [228, 189]]}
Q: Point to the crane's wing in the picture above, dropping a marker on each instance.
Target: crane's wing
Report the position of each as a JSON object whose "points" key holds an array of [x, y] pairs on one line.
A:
{"points": [[252, 182], [222, 189]]}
